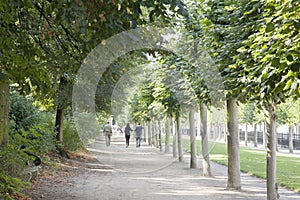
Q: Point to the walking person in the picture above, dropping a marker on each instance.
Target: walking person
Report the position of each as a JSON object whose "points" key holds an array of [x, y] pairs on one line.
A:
{"points": [[127, 134], [108, 133], [138, 135]]}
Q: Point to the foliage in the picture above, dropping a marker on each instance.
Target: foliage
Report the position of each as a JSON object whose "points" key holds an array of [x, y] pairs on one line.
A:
{"points": [[288, 112], [9, 186], [223, 30], [43, 40], [71, 139], [33, 131], [165, 92], [29, 127], [270, 54], [248, 113], [22, 113], [12, 164]]}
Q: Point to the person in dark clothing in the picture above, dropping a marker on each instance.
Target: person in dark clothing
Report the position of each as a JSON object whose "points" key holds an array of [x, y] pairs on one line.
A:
{"points": [[127, 134]]}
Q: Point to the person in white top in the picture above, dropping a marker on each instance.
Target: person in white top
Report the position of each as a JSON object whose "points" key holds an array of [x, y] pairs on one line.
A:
{"points": [[108, 133], [138, 134]]}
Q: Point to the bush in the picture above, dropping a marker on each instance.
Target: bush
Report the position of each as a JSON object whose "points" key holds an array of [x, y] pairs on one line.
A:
{"points": [[9, 186], [71, 139], [34, 132], [12, 164], [22, 113], [29, 127]]}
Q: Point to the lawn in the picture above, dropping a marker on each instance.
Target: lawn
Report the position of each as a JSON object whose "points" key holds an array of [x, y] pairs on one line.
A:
{"points": [[253, 162]]}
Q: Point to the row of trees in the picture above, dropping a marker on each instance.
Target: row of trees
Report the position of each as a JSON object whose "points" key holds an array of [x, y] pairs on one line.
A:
{"points": [[254, 46], [43, 44], [288, 114]]}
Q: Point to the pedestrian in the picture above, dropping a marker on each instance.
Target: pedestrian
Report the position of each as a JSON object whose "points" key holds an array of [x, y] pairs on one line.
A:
{"points": [[108, 133], [127, 134], [138, 135]]}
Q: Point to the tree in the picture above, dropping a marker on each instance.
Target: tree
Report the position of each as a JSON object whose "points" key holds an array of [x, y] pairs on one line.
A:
{"points": [[51, 39], [248, 117], [233, 146], [222, 23], [4, 109], [269, 57], [193, 147], [204, 134], [288, 113], [168, 134]]}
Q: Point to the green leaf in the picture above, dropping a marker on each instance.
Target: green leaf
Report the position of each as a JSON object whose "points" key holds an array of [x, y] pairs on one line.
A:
{"points": [[290, 58], [288, 85], [270, 27]]}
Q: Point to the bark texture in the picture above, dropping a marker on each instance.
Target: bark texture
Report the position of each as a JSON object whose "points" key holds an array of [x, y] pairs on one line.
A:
{"points": [[193, 161], [255, 135], [234, 178], [179, 140], [168, 132], [272, 187], [4, 109], [149, 133], [159, 135], [204, 140], [175, 154], [59, 121], [291, 145]]}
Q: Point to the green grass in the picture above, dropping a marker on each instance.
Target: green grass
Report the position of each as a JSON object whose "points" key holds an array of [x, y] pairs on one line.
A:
{"points": [[253, 162]]}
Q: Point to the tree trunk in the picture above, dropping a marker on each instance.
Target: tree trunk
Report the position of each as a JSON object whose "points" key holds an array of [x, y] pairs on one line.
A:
{"points": [[168, 132], [246, 135], [255, 135], [291, 145], [156, 135], [175, 152], [59, 121], [204, 140], [144, 132], [193, 162], [153, 133], [179, 139], [4, 110], [234, 179], [272, 187], [149, 134], [159, 135]]}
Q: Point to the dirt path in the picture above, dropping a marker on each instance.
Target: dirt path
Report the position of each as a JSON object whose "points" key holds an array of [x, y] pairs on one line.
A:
{"points": [[144, 173]]}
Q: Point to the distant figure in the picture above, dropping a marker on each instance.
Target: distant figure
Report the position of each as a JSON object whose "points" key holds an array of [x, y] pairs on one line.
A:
{"points": [[108, 133], [119, 130], [138, 134], [127, 134]]}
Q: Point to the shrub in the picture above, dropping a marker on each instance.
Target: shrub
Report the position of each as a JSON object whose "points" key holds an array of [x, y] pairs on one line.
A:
{"points": [[12, 164], [34, 132], [71, 139], [22, 113]]}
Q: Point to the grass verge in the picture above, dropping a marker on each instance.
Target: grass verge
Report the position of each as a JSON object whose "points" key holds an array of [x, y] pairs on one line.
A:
{"points": [[253, 161]]}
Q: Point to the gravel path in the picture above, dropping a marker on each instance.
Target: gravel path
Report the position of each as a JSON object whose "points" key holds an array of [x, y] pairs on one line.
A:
{"points": [[147, 174]]}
